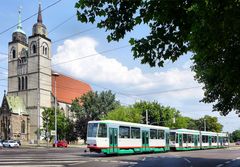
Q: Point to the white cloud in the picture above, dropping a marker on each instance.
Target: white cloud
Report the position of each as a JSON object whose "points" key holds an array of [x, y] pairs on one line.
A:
{"points": [[102, 70]]}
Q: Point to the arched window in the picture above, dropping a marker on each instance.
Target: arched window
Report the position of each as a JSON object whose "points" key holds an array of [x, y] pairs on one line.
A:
{"points": [[34, 49], [26, 83], [43, 50], [23, 126], [46, 51], [22, 83], [13, 53], [19, 83]]}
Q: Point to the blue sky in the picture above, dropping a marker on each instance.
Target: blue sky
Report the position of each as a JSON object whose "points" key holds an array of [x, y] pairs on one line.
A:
{"points": [[115, 70]]}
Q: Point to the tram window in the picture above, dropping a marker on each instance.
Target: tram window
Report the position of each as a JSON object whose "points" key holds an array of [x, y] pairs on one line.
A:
{"points": [[153, 133], [172, 136], [190, 138], [102, 130], [184, 138], [204, 139], [160, 134], [177, 138], [92, 129], [124, 132], [135, 133]]}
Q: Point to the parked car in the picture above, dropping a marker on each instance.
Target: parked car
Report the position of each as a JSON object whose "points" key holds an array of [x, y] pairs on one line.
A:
{"points": [[237, 143], [61, 143], [1, 145], [19, 142], [10, 143]]}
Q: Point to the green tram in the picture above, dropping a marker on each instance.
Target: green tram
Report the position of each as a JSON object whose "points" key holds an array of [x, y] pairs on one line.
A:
{"points": [[116, 137], [185, 139]]}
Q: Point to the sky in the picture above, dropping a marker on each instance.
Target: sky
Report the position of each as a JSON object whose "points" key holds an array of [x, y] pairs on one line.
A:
{"points": [[82, 52]]}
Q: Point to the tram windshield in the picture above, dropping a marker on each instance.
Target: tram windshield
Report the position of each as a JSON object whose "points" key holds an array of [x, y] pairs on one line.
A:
{"points": [[96, 129], [92, 129]]}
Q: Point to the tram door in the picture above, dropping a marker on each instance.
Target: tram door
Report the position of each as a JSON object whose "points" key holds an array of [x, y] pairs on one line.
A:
{"points": [[113, 140], [167, 139], [180, 140], [195, 140], [145, 140], [210, 140]]}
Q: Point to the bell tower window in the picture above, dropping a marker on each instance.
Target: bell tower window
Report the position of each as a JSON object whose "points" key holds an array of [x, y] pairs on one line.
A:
{"points": [[13, 53], [26, 83], [22, 83], [19, 83], [34, 48]]}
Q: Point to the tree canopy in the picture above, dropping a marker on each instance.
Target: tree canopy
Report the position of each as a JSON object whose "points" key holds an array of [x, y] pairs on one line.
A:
{"points": [[209, 29], [65, 126], [92, 106], [235, 135], [127, 114]]}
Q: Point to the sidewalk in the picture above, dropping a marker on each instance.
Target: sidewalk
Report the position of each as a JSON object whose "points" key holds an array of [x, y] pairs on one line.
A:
{"points": [[44, 145]]}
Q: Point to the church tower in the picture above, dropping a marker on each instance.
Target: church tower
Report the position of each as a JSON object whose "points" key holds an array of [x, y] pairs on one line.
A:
{"points": [[39, 73], [29, 70], [17, 62]]}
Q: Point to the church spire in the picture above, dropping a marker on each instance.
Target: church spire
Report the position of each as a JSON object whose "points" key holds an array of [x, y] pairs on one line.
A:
{"points": [[39, 28], [19, 26], [39, 19]]}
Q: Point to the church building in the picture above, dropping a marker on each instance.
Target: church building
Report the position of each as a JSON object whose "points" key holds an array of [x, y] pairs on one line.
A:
{"points": [[31, 83]]}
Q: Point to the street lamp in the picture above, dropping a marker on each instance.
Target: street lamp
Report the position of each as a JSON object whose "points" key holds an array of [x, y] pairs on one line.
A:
{"points": [[55, 105]]}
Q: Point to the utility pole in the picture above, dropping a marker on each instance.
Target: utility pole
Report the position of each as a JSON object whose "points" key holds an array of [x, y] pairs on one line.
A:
{"points": [[147, 117]]}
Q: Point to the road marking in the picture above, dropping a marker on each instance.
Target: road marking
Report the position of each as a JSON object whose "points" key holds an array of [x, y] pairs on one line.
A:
{"points": [[144, 159], [114, 161], [238, 158], [35, 165], [233, 159], [187, 160], [123, 162], [227, 162], [219, 165]]}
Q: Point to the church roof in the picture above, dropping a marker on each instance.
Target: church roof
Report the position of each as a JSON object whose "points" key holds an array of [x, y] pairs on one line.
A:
{"points": [[68, 88], [16, 105]]}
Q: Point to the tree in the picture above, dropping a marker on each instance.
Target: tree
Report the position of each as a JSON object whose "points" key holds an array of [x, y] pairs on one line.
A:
{"points": [[92, 106], [157, 114], [211, 124], [64, 125], [236, 135], [127, 114], [209, 29]]}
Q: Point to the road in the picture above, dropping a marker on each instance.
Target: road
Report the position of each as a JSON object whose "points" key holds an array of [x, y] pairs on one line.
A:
{"points": [[74, 157]]}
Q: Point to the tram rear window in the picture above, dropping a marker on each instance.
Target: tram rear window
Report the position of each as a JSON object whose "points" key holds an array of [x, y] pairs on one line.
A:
{"points": [[92, 129], [102, 130]]}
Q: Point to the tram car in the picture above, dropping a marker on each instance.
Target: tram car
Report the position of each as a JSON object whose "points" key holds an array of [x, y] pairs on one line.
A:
{"points": [[117, 137], [185, 139]]}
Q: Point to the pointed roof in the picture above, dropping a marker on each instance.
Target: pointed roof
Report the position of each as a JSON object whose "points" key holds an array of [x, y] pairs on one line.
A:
{"points": [[19, 26], [39, 18], [16, 105]]}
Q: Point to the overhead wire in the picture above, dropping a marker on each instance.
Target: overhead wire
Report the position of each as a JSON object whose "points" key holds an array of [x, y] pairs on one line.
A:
{"points": [[13, 26]]}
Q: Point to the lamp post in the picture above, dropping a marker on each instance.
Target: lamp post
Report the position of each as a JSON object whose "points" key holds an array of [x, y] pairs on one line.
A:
{"points": [[55, 105]]}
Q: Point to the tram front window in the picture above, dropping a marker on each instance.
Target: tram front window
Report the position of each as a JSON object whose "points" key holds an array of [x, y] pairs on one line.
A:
{"points": [[92, 129]]}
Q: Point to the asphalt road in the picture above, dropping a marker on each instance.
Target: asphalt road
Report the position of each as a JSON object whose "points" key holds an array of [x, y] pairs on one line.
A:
{"points": [[74, 157]]}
